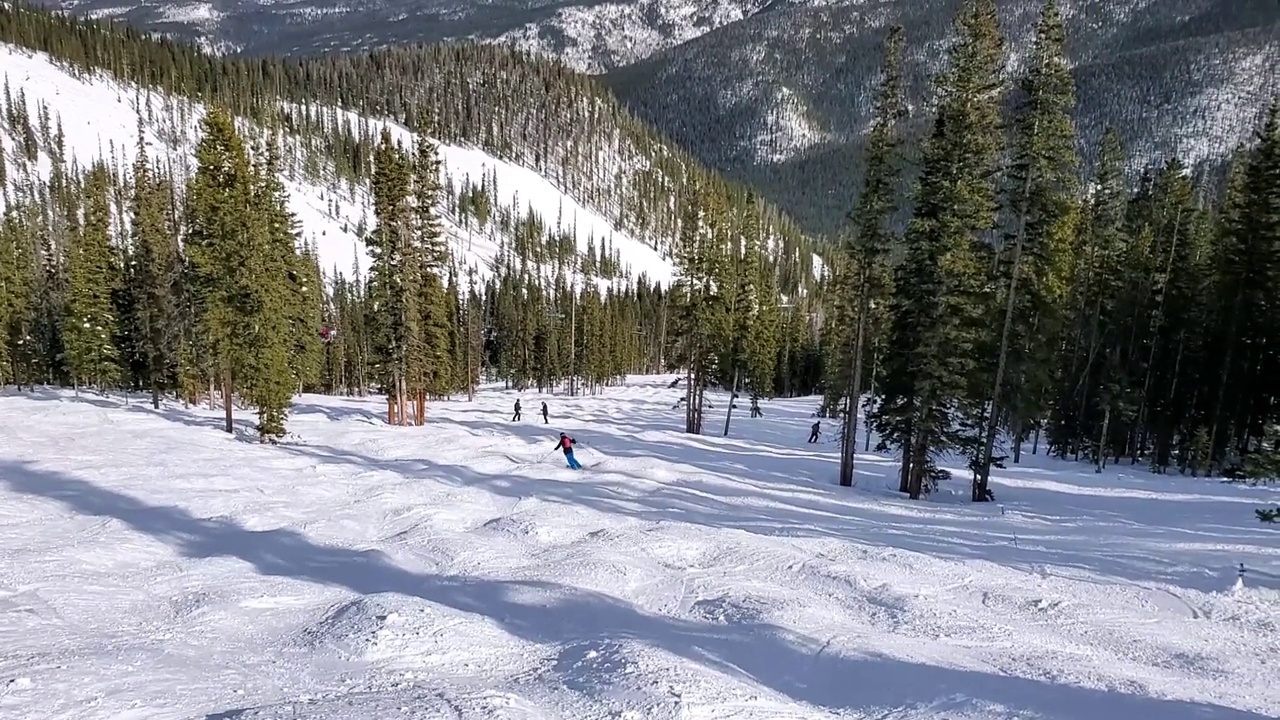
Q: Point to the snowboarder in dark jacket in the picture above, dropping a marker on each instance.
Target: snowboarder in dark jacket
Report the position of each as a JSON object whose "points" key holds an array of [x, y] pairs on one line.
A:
{"points": [[544, 412], [566, 444], [813, 432], [516, 417]]}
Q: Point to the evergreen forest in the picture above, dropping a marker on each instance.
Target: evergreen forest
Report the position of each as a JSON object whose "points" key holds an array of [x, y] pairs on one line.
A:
{"points": [[1003, 298]]}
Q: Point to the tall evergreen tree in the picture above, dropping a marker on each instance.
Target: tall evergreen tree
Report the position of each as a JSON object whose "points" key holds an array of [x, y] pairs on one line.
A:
{"points": [[940, 298], [1251, 286], [1042, 191], [1091, 378], [219, 226], [93, 275], [157, 273], [393, 320], [865, 279], [700, 316], [269, 288], [431, 362], [19, 284], [306, 317]]}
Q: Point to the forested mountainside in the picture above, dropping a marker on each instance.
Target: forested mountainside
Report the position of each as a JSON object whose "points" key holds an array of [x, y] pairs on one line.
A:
{"points": [[173, 238], [590, 35], [782, 100], [536, 113], [775, 93]]}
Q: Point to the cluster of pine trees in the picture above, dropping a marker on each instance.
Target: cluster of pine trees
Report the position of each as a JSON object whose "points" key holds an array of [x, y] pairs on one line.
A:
{"points": [[1111, 320], [144, 279], [110, 281]]}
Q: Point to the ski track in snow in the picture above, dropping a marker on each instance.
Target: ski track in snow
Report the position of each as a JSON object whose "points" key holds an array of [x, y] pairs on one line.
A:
{"points": [[154, 567]]}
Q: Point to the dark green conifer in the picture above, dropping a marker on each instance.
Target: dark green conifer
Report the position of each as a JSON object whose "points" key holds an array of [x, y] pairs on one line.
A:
{"points": [[940, 299], [89, 326]]}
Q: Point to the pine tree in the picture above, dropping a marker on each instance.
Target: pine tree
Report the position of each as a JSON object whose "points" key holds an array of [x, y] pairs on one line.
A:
{"points": [[433, 359], [760, 346], [157, 271], [1091, 385], [1041, 188], [219, 243], [940, 300], [18, 282], [865, 256], [90, 321], [474, 337], [701, 317], [392, 318], [1247, 399], [269, 288], [306, 316]]}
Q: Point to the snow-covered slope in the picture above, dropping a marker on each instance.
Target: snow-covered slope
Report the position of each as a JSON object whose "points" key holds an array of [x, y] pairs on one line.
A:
{"points": [[153, 567], [100, 119], [591, 35]]}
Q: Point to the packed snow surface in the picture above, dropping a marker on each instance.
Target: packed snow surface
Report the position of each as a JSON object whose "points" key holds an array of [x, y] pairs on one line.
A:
{"points": [[154, 567]]}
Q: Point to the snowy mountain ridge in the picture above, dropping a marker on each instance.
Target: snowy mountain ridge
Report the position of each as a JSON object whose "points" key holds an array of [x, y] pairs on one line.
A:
{"points": [[775, 93], [330, 214], [781, 100], [590, 35]]}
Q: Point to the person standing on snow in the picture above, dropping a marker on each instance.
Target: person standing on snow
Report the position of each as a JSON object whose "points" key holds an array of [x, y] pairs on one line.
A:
{"points": [[566, 444], [813, 432], [516, 417], [544, 412]]}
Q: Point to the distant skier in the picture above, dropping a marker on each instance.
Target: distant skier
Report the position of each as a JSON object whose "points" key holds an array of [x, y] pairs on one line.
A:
{"points": [[566, 444], [544, 412], [516, 417], [813, 432], [755, 407]]}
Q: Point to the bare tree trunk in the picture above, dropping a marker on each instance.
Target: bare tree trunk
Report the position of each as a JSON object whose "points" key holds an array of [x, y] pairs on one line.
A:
{"points": [[916, 485], [732, 393], [848, 442], [226, 400], [402, 402], [871, 390], [904, 477], [983, 476], [981, 479], [688, 398], [1017, 436], [1100, 459]]}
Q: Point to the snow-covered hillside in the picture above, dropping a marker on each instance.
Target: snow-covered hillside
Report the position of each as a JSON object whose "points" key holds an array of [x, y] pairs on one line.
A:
{"points": [[154, 567], [100, 118], [596, 37]]}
